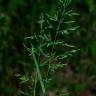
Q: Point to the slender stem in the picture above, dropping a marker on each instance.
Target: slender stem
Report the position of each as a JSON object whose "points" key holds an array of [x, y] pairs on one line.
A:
{"points": [[38, 72], [58, 27], [35, 84]]}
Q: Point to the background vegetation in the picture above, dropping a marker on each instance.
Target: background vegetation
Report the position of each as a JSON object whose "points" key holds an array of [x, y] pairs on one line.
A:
{"points": [[17, 21]]}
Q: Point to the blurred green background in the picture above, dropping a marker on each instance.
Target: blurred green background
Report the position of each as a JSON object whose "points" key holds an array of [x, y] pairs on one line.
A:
{"points": [[18, 20]]}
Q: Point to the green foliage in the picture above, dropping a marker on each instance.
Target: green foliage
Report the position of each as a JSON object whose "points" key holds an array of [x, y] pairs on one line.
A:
{"points": [[54, 45], [49, 43]]}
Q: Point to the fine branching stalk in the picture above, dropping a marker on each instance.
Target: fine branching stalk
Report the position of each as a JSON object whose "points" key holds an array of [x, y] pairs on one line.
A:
{"points": [[59, 23], [48, 47]]}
